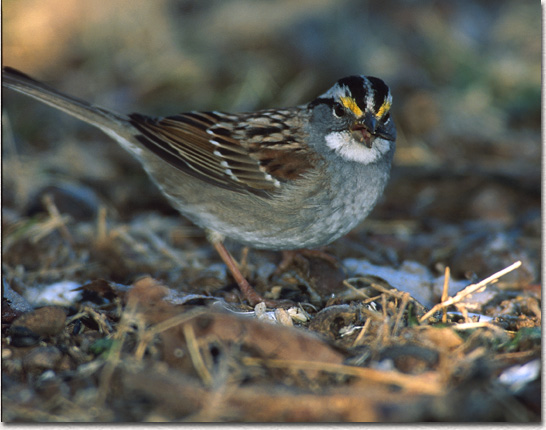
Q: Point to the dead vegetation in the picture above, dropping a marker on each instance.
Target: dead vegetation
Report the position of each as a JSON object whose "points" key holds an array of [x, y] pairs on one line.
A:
{"points": [[117, 309], [367, 352]]}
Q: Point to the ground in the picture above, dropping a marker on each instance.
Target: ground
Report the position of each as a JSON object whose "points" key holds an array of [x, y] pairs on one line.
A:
{"points": [[117, 309]]}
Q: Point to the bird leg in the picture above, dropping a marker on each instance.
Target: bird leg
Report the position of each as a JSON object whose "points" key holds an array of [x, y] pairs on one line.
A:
{"points": [[249, 293]]}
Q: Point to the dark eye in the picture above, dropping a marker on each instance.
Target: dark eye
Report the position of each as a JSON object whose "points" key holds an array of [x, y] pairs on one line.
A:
{"points": [[338, 110]]}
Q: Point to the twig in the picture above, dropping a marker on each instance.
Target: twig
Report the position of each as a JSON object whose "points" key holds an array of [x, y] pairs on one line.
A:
{"points": [[175, 321], [163, 247], [195, 355], [112, 362], [405, 300], [474, 325], [386, 321], [40, 230], [391, 292], [55, 214], [102, 228], [471, 289], [425, 384], [363, 331], [354, 289], [445, 292], [462, 309]]}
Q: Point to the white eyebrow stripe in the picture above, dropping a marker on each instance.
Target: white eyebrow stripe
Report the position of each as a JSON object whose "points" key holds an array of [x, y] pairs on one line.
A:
{"points": [[370, 96]]}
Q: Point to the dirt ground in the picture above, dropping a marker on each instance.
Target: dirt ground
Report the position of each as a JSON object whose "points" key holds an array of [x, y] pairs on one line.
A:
{"points": [[117, 309]]}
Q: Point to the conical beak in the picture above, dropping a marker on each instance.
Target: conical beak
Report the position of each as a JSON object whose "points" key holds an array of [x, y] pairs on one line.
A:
{"points": [[367, 128], [370, 122], [364, 129]]}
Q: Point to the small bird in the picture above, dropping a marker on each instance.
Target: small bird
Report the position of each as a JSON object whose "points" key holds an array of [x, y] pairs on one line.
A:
{"points": [[277, 179]]}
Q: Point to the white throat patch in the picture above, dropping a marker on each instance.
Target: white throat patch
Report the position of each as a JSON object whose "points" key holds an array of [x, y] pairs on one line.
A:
{"points": [[348, 148]]}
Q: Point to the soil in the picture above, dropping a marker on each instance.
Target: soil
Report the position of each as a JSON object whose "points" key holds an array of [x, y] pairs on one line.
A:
{"points": [[117, 309]]}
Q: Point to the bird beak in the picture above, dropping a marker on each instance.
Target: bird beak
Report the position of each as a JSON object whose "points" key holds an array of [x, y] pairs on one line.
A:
{"points": [[366, 129], [370, 122]]}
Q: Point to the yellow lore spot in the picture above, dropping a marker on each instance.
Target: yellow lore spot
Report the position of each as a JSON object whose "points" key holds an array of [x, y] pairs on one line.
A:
{"points": [[350, 104]]}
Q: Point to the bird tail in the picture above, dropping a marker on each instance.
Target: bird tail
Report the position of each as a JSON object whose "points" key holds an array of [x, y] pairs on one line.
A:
{"points": [[109, 122]]}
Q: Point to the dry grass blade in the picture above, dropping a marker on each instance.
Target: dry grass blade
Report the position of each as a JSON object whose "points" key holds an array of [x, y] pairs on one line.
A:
{"points": [[175, 321], [422, 384], [474, 325], [445, 293], [471, 289], [102, 228], [405, 300], [55, 214], [148, 334], [195, 355], [354, 289], [34, 231], [363, 331], [114, 357], [377, 316], [163, 247]]}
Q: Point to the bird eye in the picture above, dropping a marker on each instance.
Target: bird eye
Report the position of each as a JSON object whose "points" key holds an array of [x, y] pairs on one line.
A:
{"points": [[338, 110]]}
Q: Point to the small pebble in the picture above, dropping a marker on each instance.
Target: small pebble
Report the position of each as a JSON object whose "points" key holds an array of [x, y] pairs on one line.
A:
{"points": [[46, 321], [39, 359], [22, 337], [283, 317], [16, 303]]}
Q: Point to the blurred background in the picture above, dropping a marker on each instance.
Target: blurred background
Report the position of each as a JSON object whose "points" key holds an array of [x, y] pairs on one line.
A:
{"points": [[465, 193], [465, 78]]}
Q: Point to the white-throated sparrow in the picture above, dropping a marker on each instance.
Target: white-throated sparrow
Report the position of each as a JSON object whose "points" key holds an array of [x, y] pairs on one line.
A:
{"points": [[275, 179]]}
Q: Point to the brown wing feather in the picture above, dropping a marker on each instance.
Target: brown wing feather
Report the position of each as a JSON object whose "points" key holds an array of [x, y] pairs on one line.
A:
{"points": [[236, 152]]}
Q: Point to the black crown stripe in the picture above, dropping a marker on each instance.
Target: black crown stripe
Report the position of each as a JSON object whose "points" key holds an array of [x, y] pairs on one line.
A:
{"points": [[381, 92], [357, 88]]}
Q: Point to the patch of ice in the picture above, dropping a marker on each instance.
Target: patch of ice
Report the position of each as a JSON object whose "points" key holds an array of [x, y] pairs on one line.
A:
{"points": [[410, 277], [516, 377], [59, 293]]}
